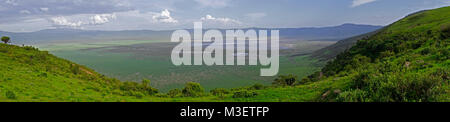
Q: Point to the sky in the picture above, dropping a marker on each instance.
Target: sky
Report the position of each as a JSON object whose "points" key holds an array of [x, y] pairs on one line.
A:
{"points": [[35, 15]]}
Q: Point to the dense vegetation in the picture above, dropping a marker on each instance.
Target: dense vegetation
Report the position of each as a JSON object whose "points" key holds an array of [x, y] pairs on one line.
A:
{"points": [[407, 61]]}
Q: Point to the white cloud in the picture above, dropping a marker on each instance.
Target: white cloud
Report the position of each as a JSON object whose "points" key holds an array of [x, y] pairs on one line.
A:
{"points": [[164, 17], [44, 9], [357, 3], [102, 18], [209, 18], [77, 21], [213, 3], [12, 2], [62, 21], [24, 12]]}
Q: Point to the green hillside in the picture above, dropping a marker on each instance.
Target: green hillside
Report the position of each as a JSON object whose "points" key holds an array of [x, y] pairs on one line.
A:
{"points": [[27, 74], [406, 61]]}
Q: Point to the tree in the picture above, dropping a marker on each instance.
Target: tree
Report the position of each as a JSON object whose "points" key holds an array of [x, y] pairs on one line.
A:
{"points": [[174, 93], [5, 39], [146, 83], [193, 89], [285, 80]]}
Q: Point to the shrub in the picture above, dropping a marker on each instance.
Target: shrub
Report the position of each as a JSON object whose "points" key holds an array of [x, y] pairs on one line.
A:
{"points": [[285, 80], [244, 94], [30, 48], [352, 96], [445, 29], [146, 87], [145, 82], [152, 91], [129, 86], [10, 95], [132, 87], [303, 81], [75, 69], [174, 93], [193, 89], [425, 51], [257, 86], [396, 87], [219, 91], [43, 74], [139, 95], [386, 54]]}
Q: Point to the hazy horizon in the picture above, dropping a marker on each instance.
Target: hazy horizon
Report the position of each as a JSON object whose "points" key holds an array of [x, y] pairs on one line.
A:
{"points": [[116, 15], [318, 27]]}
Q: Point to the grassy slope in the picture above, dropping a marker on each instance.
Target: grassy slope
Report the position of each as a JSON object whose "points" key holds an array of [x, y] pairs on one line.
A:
{"points": [[407, 61], [32, 75]]}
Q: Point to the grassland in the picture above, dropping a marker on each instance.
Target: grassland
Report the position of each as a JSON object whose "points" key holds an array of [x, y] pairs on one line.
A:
{"points": [[139, 60]]}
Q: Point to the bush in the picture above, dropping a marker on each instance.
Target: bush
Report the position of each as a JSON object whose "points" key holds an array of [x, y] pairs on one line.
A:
{"points": [[219, 91], [75, 69], [396, 87], [152, 91], [386, 54], [139, 95], [193, 89], [30, 48], [353, 96], [445, 29], [244, 94], [285, 80], [174, 93], [146, 87], [131, 87], [257, 86], [10, 95]]}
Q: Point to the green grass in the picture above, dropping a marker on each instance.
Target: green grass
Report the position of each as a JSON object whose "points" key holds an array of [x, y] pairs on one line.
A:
{"points": [[408, 61]]}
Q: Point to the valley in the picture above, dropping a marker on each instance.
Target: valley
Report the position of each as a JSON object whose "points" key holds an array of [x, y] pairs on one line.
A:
{"points": [[137, 60]]}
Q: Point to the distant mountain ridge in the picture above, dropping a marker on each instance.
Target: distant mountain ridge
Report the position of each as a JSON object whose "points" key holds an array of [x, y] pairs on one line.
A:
{"points": [[62, 35]]}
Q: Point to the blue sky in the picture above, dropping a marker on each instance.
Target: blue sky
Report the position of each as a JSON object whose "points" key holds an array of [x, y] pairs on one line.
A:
{"points": [[33, 15]]}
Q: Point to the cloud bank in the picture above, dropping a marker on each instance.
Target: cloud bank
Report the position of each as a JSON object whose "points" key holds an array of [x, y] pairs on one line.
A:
{"points": [[79, 21], [357, 3], [209, 18]]}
